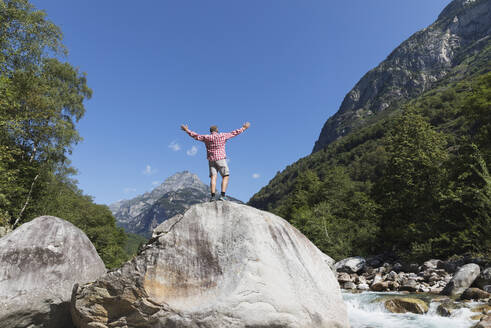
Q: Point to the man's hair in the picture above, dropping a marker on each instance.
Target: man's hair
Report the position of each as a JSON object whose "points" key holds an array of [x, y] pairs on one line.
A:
{"points": [[213, 128]]}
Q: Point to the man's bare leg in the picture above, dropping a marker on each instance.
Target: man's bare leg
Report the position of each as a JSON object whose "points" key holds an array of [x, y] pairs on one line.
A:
{"points": [[213, 183], [225, 183]]}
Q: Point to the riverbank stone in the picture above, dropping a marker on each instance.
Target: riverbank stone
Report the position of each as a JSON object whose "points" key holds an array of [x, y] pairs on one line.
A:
{"points": [[463, 279], [350, 264], [485, 322], [404, 305], [484, 279], [474, 294]]}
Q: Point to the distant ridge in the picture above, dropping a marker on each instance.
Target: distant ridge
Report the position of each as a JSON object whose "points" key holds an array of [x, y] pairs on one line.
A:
{"points": [[175, 195]]}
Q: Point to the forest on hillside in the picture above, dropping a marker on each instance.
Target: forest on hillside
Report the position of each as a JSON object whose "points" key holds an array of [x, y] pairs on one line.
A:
{"points": [[414, 183], [41, 100]]}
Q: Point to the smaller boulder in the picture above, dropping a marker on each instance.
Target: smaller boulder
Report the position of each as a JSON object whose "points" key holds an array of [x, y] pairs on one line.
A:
{"points": [[432, 264], [392, 276], [397, 267], [412, 267], [343, 277], [410, 286], [404, 305], [483, 279], [443, 311], [380, 286], [375, 261], [350, 264], [463, 279], [483, 309], [349, 285], [447, 307], [40, 261], [474, 294], [485, 322]]}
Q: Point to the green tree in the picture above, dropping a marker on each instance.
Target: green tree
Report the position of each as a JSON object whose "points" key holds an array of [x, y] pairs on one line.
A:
{"points": [[334, 214], [466, 211], [477, 109], [42, 100], [411, 189]]}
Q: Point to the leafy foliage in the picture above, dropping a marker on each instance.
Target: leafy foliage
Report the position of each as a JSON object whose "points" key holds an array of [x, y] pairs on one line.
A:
{"points": [[41, 100]]}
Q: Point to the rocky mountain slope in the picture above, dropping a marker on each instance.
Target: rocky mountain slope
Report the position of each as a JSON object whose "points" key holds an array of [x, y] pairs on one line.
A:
{"points": [[461, 31], [176, 194]]}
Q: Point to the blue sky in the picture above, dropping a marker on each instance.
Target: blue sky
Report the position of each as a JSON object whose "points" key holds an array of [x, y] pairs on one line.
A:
{"points": [[283, 65]]}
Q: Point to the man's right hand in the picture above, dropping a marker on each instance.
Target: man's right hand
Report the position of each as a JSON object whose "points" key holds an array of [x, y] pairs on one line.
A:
{"points": [[246, 125], [184, 128]]}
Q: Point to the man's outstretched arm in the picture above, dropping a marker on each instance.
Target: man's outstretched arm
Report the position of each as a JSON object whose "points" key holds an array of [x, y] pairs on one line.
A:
{"points": [[234, 133], [192, 134]]}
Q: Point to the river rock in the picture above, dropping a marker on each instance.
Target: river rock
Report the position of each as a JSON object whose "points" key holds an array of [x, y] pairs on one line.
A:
{"points": [[483, 279], [344, 277], [447, 307], [403, 305], [40, 261], [483, 308], [443, 311], [410, 286], [474, 294], [349, 285], [397, 267], [380, 286], [432, 264], [485, 322], [350, 264], [219, 264], [462, 279]]}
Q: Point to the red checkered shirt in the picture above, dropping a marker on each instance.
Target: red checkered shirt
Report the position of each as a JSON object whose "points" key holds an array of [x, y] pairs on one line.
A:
{"points": [[215, 143]]}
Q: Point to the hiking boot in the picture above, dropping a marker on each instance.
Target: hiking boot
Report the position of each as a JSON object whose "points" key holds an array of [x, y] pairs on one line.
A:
{"points": [[222, 198], [212, 199]]}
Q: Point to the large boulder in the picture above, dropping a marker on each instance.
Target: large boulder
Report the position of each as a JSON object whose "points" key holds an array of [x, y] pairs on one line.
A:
{"points": [[219, 265], [351, 264], [462, 279], [39, 263]]}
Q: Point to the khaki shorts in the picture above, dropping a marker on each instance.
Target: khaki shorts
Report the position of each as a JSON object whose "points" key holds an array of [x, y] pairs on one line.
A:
{"points": [[220, 166]]}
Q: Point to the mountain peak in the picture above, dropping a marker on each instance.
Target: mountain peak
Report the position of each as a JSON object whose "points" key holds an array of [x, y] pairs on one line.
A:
{"points": [[415, 66], [179, 180], [455, 6]]}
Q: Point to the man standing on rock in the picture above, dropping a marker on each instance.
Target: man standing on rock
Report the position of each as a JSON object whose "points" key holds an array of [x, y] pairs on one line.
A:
{"points": [[215, 153]]}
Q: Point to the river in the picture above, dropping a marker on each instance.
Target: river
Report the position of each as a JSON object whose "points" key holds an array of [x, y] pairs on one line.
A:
{"points": [[365, 312]]}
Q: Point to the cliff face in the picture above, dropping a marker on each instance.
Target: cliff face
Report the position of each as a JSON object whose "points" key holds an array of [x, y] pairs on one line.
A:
{"points": [[461, 31]]}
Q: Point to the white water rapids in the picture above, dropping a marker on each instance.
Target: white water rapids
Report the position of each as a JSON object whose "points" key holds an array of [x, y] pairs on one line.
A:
{"points": [[365, 312]]}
